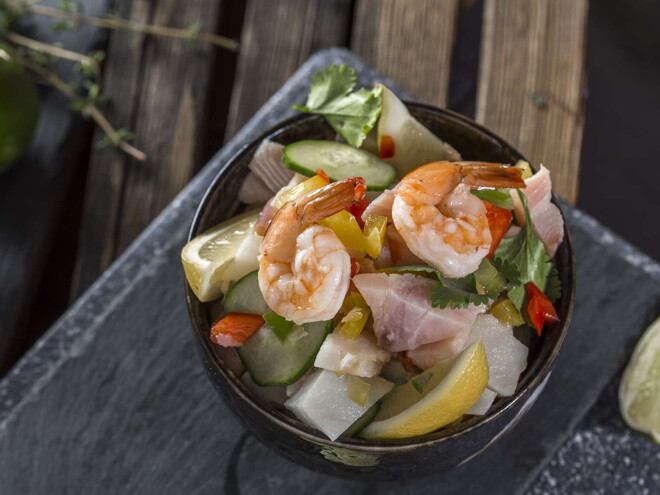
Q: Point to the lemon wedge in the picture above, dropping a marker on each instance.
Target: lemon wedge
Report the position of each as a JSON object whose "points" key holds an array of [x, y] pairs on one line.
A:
{"points": [[639, 392], [206, 258], [433, 399]]}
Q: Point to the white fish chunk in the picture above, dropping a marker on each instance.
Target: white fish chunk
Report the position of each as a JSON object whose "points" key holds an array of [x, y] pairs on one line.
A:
{"points": [[403, 316], [267, 173], [382, 205], [359, 357], [268, 211], [295, 386], [546, 217], [323, 401], [428, 355], [482, 406], [507, 356]]}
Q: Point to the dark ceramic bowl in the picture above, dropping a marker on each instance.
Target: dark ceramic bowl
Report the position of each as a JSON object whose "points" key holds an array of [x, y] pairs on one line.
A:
{"points": [[352, 457]]}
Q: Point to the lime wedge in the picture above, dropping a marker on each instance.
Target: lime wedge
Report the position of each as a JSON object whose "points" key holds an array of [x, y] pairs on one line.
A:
{"points": [[206, 258], [19, 104], [433, 399], [639, 392]]}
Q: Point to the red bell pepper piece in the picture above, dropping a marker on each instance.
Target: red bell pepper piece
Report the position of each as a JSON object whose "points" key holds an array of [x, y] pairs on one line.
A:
{"points": [[539, 308], [321, 173], [235, 328], [499, 220], [386, 147], [357, 209]]}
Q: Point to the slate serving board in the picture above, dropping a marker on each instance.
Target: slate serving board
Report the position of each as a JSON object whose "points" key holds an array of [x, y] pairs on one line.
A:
{"points": [[113, 399]]}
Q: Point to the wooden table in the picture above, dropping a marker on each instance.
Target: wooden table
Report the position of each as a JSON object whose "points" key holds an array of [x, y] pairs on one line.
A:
{"points": [[182, 103]]}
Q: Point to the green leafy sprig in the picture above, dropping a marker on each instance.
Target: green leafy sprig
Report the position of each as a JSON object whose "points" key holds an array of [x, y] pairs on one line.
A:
{"points": [[523, 259], [454, 293], [351, 114]]}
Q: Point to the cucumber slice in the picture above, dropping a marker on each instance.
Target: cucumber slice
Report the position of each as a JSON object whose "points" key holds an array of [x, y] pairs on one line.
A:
{"points": [[273, 362], [363, 421], [269, 360], [338, 160], [245, 296]]}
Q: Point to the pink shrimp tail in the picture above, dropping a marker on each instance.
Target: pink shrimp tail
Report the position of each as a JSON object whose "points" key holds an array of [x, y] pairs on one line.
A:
{"points": [[330, 199], [491, 175]]}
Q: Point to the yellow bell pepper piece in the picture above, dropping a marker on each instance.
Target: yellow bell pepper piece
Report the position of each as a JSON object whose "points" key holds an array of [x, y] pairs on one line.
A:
{"points": [[358, 389], [310, 184], [357, 313], [526, 169], [347, 229], [507, 313], [374, 234]]}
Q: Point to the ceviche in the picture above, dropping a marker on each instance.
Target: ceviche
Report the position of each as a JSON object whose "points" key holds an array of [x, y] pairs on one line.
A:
{"points": [[384, 288]]}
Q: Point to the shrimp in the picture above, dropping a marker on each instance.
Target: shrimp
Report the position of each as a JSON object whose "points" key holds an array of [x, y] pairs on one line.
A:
{"points": [[304, 269], [438, 218]]}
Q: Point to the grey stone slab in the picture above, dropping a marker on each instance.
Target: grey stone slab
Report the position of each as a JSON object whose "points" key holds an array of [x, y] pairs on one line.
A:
{"points": [[114, 400], [603, 456]]}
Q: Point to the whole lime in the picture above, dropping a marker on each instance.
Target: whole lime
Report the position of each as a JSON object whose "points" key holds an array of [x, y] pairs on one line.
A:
{"points": [[19, 108]]}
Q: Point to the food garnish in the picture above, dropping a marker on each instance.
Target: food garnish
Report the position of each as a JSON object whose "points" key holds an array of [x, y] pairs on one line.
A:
{"points": [[351, 114], [639, 392]]}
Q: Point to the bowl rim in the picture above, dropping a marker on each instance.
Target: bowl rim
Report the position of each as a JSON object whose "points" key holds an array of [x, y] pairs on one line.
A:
{"points": [[370, 446]]}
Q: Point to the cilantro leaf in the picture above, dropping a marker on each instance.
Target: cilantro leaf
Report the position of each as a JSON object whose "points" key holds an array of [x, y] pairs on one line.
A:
{"points": [[453, 292], [517, 296], [352, 115], [457, 293], [497, 197], [523, 258], [415, 268], [331, 83], [507, 268]]}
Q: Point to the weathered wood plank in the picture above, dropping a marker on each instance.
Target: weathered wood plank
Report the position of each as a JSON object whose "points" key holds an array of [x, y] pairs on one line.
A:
{"points": [[409, 41], [158, 88], [277, 37], [33, 192], [531, 82]]}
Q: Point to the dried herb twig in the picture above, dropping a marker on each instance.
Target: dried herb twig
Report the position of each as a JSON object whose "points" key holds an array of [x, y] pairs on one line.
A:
{"points": [[52, 50], [115, 22], [52, 79]]}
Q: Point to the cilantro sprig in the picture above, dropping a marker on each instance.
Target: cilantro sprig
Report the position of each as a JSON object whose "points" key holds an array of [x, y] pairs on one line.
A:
{"points": [[522, 259], [458, 293], [351, 114], [454, 293]]}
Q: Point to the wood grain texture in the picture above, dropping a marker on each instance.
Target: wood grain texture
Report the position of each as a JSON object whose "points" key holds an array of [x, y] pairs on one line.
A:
{"points": [[409, 41], [34, 190], [532, 79], [158, 88], [277, 37]]}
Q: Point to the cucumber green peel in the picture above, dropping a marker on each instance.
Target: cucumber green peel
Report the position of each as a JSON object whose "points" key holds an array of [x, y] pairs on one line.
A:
{"points": [[338, 160], [272, 356]]}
